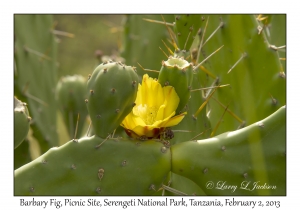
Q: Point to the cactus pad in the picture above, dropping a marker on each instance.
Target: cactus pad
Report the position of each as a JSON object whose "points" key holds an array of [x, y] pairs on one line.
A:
{"points": [[178, 73], [227, 158], [186, 28], [112, 89], [117, 167], [71, 93], [21, 122]]}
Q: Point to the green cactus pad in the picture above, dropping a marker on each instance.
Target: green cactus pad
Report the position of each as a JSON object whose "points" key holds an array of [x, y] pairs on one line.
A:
{"points": [[71, 95], [178, 73], [186, 28], [184, 185], [229, 160], [192, 127], [35, 74], [248, 64], [21, 122], [112, 89], [142, 40], [22, 154], [117, 167]]}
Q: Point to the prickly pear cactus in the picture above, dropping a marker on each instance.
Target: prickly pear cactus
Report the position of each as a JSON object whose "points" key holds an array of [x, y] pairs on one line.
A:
{"points": [[249, 65], [186, 28], [22, 154], [140, 45], [178, 73], [35, 74], [21, 122], [111, 169], [70, 95], [233, 131], [213, 110], [112, 90], [104, 163], [213, 163]]}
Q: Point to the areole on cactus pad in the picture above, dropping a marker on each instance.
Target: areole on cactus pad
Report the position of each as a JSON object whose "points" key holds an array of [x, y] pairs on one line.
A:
{"points": [[154, 110]]}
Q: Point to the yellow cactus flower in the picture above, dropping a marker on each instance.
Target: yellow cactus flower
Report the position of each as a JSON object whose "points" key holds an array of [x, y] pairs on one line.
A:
{"points": [[154, 110]]}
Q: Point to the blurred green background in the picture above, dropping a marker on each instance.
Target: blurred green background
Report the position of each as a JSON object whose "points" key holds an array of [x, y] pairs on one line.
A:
{"points": [[76, 55]]}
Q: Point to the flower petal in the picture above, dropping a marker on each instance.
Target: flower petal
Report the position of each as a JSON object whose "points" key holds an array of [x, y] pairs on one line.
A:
{"points": [[138, 121], [174, 120], [160, 113], [160, 98], [139, 97], [171, 100], [131, 121], [140, 111], [151, 92], [152, 95], [146, 131], [160, 123]]}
